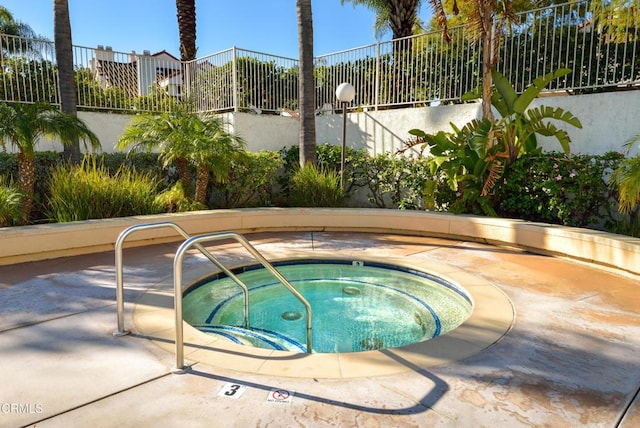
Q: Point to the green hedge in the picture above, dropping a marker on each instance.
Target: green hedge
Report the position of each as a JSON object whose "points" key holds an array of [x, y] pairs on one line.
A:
{"points": [[570, 190]]}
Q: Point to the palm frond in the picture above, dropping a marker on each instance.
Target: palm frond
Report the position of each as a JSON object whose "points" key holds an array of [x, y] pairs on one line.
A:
{"points": [[441, 17], [627, 178], [495, 172]]}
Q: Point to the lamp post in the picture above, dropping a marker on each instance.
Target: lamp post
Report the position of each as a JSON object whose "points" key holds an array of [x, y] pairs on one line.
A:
{"points": [[345, 92]]}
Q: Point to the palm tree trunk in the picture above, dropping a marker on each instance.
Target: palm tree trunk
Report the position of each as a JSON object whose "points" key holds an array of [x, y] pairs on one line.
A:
{"points": [[184, 175], [186, 10], [187, 28], [488, 58], [26, 184], [306, 84], [64, 60], [202, 183], [402, 18]]}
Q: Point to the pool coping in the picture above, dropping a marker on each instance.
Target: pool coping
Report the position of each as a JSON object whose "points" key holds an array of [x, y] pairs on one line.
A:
{"points": [[41, 242], [492, 317]]}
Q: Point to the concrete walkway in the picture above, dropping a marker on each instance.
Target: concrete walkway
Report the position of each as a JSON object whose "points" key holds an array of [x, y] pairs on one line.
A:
{"points": [[570, 359]]}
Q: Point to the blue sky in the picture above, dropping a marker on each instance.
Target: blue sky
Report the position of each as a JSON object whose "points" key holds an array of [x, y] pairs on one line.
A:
{"points": [[263, 26]]}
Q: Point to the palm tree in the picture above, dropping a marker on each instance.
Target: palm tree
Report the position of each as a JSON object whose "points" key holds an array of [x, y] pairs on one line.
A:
{"points": [[183, 138], [399, 16], [64, 59], [22, 34], [23, 125], [485, 21], [9, 26], [213, 152], [306, 84]]}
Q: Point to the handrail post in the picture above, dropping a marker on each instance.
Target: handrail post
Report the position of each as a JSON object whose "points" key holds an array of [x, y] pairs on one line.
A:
{"points": [[121, 331], [180, 367], [177, 281], [177, 285]]}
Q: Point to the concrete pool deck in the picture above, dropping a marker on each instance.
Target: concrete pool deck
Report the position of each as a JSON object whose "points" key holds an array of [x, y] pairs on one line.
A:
{"points": [[569, 359]]}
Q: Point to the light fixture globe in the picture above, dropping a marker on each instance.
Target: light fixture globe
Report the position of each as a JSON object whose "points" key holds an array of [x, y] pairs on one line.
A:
{"points": [[345, 92]]}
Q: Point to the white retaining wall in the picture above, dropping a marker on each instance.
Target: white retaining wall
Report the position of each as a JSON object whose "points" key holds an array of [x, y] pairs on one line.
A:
{"points": [[608, 120]]}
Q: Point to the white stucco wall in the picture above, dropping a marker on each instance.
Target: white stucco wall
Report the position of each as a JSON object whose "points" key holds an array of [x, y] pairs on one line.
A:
{"points": [[608, 119], [388, 130], [107, 126], [264, 132]]}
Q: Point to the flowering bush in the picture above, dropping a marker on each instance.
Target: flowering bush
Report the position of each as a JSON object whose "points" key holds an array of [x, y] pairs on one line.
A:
{"points": [[556, 188]]}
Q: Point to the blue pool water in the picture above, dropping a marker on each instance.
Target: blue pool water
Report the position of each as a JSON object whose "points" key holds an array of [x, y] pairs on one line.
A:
{"points": [[357, 306]]}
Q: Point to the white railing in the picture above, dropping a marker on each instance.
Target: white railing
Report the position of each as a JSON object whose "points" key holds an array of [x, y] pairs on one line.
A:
{"points": [[242, 80], [599, 44]]}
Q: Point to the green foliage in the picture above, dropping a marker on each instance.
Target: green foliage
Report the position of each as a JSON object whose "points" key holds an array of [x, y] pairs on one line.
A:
{"points": [[143, 161], [473, 159], [316, 187], [395, 181], [329, 157], [36, 77], [250, 181], [22, 125], [88, 191], [627, 178], [10, 204], [462, 158], [44, 162], [185, 138], [174, 200], [515, 131], [563, 189]]}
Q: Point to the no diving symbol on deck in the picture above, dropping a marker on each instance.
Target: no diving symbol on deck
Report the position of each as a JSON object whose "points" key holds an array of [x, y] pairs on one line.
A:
{"points": [[280, 396]]}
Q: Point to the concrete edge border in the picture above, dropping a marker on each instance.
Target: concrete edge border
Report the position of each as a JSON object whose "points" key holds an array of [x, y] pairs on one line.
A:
{"points": [[40, 242]]}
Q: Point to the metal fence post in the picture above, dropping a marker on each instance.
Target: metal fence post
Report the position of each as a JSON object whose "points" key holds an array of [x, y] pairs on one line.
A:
{"points": [[234, 60], [377, 83]]}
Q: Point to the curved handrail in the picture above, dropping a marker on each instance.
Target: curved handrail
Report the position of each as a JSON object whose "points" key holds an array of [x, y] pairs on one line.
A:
{"points": [[121, 331], [177, 284]]}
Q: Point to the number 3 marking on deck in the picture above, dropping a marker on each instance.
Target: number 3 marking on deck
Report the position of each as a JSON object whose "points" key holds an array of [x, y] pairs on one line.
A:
{"points": [[232, 390]]}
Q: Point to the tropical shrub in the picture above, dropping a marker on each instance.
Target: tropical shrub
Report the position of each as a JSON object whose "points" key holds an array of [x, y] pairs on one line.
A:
{"points": [[626, 178], [174, 200], [251, 180], [22, 125], [572, 190], [88, 191], [328, 157], [395, 181], [185, 138], [43, 163], [313, 186], [10, 204], [474, 157]]}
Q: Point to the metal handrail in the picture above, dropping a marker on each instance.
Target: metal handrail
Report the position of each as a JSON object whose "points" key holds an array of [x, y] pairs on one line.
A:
{"points": [[121, 331], [177, 284]]}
